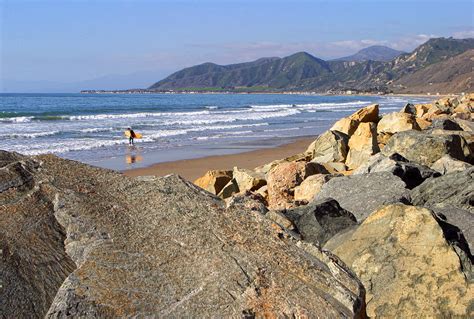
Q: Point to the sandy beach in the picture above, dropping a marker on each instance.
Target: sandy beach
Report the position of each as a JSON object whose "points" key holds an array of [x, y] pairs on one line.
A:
{"points": [[191, 169]]}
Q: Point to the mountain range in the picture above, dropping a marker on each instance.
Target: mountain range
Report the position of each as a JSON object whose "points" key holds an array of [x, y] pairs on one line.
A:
{"points": [[429, 68]]}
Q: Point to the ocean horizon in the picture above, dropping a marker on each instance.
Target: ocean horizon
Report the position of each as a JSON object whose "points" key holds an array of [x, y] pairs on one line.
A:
{"points": [[90, 127]]}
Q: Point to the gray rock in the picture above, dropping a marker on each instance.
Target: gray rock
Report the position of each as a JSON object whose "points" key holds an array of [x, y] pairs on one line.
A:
{"points": [[451, 196], [163, 247], [331, 146], [320, 220], [425, 148], [445, 124], [365, 193], [450, 190], [447, 164], [463, 220], [411, 173]]}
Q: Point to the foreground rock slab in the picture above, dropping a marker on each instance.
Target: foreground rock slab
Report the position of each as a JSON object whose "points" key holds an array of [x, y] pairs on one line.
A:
{"points": [[163, 248], [407, 266], [363, 194]]}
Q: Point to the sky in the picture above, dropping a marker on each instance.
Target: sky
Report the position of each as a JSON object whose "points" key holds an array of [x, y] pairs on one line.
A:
{"points": [[73, 44]]}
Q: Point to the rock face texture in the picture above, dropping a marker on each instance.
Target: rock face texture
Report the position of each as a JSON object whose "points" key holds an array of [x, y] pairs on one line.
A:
{"points": [[248, 180], [320, 220], [363, 194], [330, 146], [362, 145], [311, 186], [407, 266], [447, 164], [124, 247], [214, 181], [33, 262], [411, 173], [397, 122], [451, 195], [283, 178], [424, 148]]}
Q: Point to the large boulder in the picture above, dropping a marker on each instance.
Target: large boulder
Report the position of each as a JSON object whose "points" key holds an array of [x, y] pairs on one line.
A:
{"points": [[425, 148], [363, 194], [453, 189], [345, 125], [397, 122], [33, 260], [318, 221], [412, 174], [447, 164], [331, 146], [451, 195], [283, 178], [97, 244], [407, 266], [362, 145], [248, 180], [214, 181], [311, 186], [369, 113]]}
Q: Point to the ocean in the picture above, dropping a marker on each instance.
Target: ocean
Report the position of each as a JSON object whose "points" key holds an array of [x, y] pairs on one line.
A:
{"points": [[90, 127]]}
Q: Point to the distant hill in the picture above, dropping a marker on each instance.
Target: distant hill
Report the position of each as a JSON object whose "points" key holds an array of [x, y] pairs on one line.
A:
{"points": [[373, 53], [304, 72], [455, 74]]}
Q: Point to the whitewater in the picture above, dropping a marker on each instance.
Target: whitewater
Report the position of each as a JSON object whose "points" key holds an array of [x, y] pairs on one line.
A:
{"points": [[89, 127]]}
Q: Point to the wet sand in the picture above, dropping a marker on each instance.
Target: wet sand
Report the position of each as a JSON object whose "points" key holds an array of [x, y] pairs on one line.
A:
{"points": [[191, 169]]}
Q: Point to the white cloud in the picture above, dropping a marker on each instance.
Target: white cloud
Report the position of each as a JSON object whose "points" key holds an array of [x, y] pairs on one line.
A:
{"points": [[464, 34]]}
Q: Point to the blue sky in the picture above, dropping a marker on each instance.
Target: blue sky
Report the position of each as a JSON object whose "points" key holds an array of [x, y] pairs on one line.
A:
{"points": [[135, 43]]}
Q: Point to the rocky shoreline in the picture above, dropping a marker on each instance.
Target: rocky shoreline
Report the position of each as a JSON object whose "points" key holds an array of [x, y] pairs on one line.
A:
{"points": [[375, 219]]}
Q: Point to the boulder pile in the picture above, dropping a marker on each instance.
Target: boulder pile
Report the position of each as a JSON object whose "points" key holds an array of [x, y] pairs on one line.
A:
{"points": [[393, 196], [375, 219]]}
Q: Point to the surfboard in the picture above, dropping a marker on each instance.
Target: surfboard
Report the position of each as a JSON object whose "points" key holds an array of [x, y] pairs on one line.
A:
{"points": [[137, 135]]}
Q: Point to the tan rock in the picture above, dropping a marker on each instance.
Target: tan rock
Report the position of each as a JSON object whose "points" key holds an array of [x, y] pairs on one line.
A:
{"points": [[422, 124], [248, 180], [311, 186], [214, 181], [263, 191], [362, 144], [367, 114], [345, 125], [396, 122], [382, 139], [433, 112], [407, 266], [283, 178], [228, 190], [422, 109], [334, 167], [280, 219], [302, 157], [331, 146], [464, 108]]}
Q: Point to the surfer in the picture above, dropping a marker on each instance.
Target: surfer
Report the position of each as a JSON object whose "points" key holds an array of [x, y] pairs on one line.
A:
{"points": [[131, 136]]}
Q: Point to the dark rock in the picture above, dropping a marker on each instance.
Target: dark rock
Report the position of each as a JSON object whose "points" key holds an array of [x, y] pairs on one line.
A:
{"points": [[365, 193], [450, 190], [409, 108], [452, 197], [318, 221], [445, 124], [159, 247], [411, 173], [425, 148]]}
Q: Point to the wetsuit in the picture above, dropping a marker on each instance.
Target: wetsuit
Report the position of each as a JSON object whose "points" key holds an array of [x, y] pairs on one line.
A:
{"points": [[132, 136]]}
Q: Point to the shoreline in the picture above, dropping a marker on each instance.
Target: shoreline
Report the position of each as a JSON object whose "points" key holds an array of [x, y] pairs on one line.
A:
{"points": [[191, 169]]}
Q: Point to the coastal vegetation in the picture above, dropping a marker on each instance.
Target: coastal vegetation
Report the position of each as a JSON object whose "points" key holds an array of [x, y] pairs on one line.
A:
{"points": [[301, 71]]}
